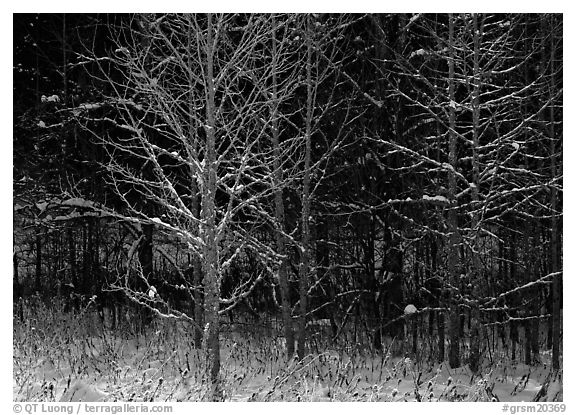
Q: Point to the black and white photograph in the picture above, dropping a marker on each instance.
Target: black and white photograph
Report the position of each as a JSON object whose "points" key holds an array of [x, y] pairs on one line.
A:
{"points": [[287, 207]]}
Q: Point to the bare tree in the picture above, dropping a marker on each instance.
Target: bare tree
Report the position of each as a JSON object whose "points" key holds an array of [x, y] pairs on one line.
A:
{"points": [[304, 269], [322, 58], [192, 110], [454, 348], [277, 179], [463, 81], [551, 79]]}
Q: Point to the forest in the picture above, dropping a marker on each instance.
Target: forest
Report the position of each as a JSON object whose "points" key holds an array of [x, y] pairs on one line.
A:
{"points": [[287, 207]]}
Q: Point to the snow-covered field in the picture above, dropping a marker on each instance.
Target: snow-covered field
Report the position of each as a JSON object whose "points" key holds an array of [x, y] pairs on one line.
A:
{"points": [[61, 358]]}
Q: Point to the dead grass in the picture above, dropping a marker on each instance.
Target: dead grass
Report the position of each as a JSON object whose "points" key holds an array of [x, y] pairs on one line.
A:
{"points": [[64, 357]]}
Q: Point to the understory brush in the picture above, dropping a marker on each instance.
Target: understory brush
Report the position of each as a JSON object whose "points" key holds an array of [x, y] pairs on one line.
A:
{"points": [[74, 357]]}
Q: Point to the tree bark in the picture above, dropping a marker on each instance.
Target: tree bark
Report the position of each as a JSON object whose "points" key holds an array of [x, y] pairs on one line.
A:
{"points": [[554, 243], [454, 346], [279, 208], [476, 271], [87, 258], [512, 277], [197, 277], [38, 244], [146, 258], [305, 253], [208, 216]]}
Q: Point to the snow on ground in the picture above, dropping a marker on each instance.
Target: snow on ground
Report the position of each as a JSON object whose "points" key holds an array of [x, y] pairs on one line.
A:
{"points": [[73, 363]]}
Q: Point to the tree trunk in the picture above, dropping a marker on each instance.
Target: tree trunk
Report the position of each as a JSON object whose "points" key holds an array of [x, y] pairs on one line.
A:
{"points": [[279, 209], [305, 252], [87, 259], [374, 294], [198, 311], [454, 345], [441, 336], [535, 340], [72, 257], [146, 258], [322, 270], [476, 271], [208, 215], [438, 299], [529, 265], [16, 283], [512, 277], [197, 283], [145, 254], [38, 282], [527, 342], [554, 243]]}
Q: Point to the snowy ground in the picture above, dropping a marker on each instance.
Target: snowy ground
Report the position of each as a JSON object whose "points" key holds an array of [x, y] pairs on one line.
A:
{"points": [[59, 358]]}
